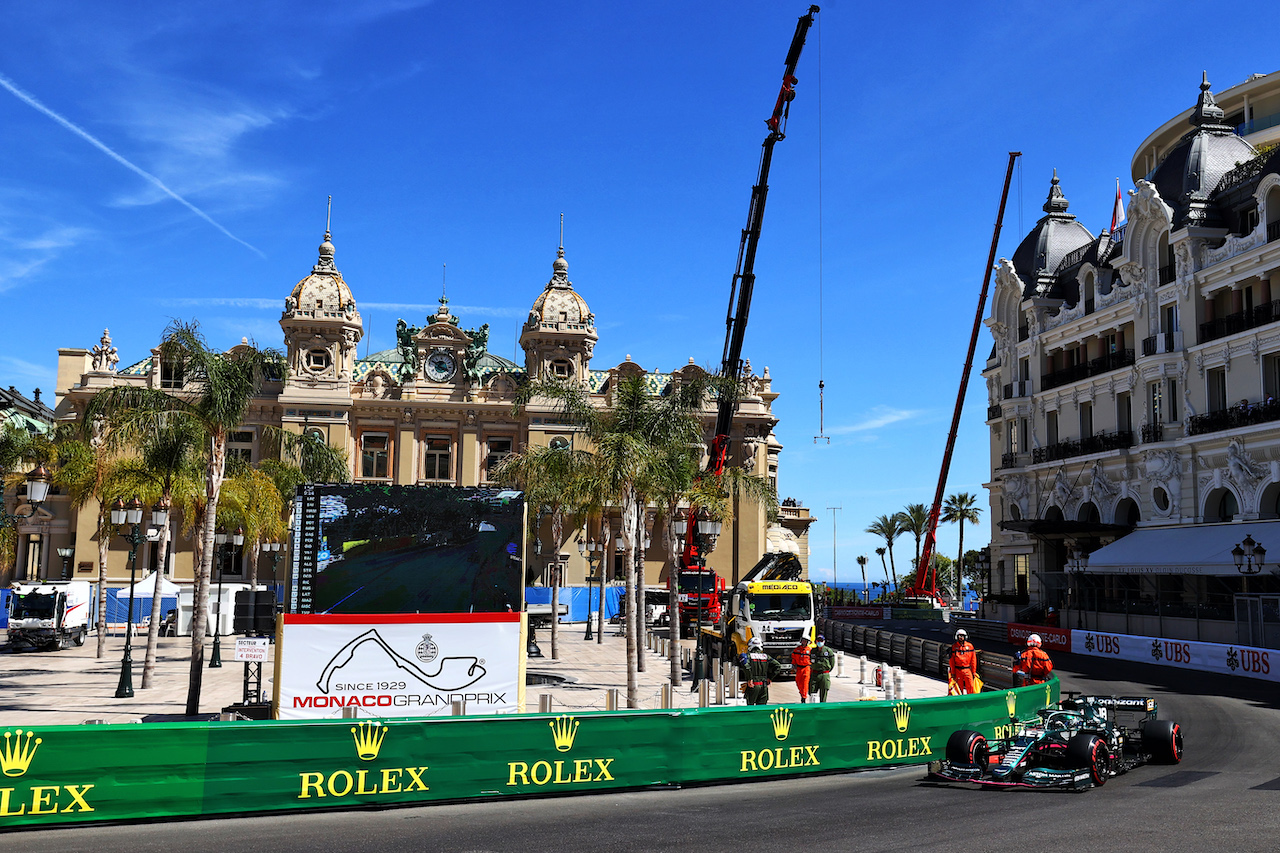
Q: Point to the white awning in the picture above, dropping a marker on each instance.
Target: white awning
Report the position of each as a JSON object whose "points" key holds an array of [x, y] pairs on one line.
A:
{"points": [[1196, 549]]}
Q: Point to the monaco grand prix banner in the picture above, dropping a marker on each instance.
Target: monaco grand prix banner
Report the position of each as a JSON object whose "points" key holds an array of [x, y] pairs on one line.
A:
{"points": [[1183, 654], [399, 665], [73, 774]]}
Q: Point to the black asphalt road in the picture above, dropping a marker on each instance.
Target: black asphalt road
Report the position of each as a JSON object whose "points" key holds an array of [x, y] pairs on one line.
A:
{"points": [[1225, 796]]}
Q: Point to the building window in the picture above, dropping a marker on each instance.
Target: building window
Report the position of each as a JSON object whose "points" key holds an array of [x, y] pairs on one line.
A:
{"points": [[499, 449], [171, 374], [1086, 420], [1157, 402], [1216, 379], [561, 369], [1011, 429], [317, 360], [375, 455], [1171, 410], [1051, 427], [1021, 574], [240, 445], [1124, 413], [438, 458]]}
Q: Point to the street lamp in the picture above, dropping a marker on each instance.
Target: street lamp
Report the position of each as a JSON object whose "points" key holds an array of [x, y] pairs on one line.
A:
{"points": [[37, 490], [222, 539], [1077, 563], [66, 554], [131, 514], [1249, 556], [275, 550]]}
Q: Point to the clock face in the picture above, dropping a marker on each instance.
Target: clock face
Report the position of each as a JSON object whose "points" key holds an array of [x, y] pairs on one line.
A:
{"points": [[440, 366]]}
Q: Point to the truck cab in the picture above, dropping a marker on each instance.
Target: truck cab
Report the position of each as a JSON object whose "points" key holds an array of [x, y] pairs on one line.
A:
{"points": [[771, 603], [700, 593]]}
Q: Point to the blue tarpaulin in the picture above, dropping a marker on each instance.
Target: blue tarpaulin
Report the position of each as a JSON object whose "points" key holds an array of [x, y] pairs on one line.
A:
{"points": [[576, 597]]}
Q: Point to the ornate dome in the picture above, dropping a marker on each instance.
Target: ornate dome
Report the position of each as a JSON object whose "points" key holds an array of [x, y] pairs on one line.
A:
{"points": [[323, 292], [1053, 238], [559, 304]]}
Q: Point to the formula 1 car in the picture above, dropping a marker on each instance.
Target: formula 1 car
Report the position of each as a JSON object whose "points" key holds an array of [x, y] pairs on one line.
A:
{"points": [[1081, 743]]}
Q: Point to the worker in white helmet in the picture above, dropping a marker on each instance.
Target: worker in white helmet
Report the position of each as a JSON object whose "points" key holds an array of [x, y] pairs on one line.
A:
{"points": [[1032, 665], [963, 661]]}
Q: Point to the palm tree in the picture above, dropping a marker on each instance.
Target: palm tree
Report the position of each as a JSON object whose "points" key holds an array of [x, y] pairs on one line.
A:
{"points": [[880, 553], [218, 390], [914, 519], [959, 508], [888, 528], [559, 480], [628, 442]]}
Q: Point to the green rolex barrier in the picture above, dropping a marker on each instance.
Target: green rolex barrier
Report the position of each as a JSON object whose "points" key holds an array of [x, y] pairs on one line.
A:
{"points": [[73, 774]]}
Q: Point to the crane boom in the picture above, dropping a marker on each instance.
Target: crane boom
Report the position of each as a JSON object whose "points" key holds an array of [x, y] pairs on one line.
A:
{"points": [[926, 581], [744, 279]]}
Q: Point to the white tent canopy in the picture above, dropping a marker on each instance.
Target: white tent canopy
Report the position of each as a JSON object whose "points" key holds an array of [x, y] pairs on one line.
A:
{"points": [[146, 587], [1200, 549]]}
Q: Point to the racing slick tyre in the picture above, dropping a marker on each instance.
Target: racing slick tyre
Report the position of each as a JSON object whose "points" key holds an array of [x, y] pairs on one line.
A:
{"points": [[1088, 751], [968, 748], [1163, 741]]}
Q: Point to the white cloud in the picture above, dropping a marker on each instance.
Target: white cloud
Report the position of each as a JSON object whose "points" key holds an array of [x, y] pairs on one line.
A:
{"points": [[880, 416], [408, 307], [26, 376]]}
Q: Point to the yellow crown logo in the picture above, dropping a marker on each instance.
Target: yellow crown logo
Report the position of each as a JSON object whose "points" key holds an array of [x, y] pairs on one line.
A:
{"points": [[902, 716], [368, 736], [781, 723], [16, 754], [1048, 694], [1011, 702], [564, 729]]}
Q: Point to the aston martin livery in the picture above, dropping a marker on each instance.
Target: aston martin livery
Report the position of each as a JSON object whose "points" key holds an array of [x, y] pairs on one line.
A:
{"points": [[1080, 743]]}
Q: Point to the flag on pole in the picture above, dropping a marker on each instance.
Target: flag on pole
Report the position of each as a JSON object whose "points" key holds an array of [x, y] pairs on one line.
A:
{"points": [[1117, 213]]}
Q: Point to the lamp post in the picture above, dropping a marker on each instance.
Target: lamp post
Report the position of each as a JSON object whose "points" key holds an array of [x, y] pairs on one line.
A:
{"points": [[862, 564], [66, 554], [222, 540], [37, 490], [1077, 562], [131, 514], [1249, 556], [275, 551], [707, 531]]}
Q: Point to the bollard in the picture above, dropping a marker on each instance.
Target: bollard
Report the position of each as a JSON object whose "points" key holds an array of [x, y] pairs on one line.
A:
{"points": [[611, 699], [865, 693], [350, 712], [862, 669], [731, 681], [887, 679], [544, 703], [459, 707], [719, 690], [704, 693], [666, 696], [839, 664], [899, 680]]}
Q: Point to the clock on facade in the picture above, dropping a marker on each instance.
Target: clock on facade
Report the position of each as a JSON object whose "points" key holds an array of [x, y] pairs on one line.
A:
{"points": [[440, 366]]}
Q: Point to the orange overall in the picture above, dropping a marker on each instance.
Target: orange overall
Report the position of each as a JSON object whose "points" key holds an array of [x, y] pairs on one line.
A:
{"points": [[964, 663], [800, 660], [1035, 665]]}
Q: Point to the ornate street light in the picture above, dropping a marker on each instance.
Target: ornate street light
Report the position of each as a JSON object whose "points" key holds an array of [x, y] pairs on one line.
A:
{"points": [[1249, 556], [66, 554], [1077, 563], [37, 490], [222, 540], [131, 514]]}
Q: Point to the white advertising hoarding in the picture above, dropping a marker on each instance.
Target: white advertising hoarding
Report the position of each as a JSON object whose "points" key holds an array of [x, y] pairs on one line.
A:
{"points": [[1184, 654], [399, 665]]}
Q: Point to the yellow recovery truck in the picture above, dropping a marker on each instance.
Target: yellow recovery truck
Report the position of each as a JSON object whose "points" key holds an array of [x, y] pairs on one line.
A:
{"points": [[771, 602]]}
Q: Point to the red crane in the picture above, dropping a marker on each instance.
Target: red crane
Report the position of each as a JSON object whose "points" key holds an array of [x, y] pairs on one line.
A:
{"points": [[926, 579]]}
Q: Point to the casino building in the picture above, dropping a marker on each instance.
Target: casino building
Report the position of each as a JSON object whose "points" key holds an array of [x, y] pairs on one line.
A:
{"points": [[1134, 392], [436, 409]]}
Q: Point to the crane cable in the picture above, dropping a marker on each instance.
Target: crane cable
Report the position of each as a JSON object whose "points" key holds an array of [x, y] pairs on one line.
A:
{"points": [[821, 436]]}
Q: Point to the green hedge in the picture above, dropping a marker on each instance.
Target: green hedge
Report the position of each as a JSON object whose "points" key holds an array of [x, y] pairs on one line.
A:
{"points": [[70, 774]]}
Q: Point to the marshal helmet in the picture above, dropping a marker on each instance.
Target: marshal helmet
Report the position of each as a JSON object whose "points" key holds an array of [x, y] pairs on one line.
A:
{"points": [[755, 643], [962, 634], [1033, 640]]}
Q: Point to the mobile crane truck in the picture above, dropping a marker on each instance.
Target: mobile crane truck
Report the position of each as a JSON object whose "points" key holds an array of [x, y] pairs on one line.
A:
{"points": [[771, 602]]}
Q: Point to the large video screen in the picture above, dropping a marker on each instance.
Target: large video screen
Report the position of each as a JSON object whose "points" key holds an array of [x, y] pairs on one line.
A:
{"points": [[371, 548]]}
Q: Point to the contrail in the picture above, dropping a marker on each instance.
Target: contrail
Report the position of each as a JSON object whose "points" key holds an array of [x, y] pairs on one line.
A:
{"points": [[92, 140]]}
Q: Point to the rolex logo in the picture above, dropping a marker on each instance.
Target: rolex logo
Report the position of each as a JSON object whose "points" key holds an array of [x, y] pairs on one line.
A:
{"points": [[16, 754], [1048, 694], [368, 736], [564, 729], [902, 716], [1011, 702], [781, 723]]}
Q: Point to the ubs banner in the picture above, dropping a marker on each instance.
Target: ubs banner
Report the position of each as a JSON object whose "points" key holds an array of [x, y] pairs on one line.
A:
{"points": [[1184, 654], [399, 665], [73, 774]]}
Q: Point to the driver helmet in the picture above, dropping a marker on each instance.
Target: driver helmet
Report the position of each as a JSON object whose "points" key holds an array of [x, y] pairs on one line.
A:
{"points": [[1033, 640], [962, 634], [755, 643]]}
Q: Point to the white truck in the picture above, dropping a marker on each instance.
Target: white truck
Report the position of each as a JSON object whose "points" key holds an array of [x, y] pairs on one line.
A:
{"points": [[50, 615]]}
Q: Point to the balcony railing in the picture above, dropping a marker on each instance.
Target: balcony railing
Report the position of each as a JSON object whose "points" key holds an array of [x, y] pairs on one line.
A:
{"points": [[993, 412], [1273, 231], [1093, 367], [1099, 443], [1167, 274], [1152, 433], [1236, 416], [1259, 315], [1021, 388], [1024, 332], [1009, 460], [1088, 306], [1162, 342]]}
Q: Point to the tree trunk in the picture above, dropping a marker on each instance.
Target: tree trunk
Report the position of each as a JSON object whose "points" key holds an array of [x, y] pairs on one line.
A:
{"points": [[628, 556], [153, 630], [960, 567], [893, 569], [642, 609], [255, 553], [104, 545], [214, 473]]}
